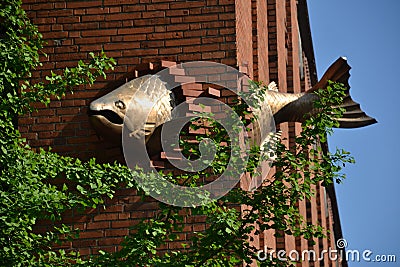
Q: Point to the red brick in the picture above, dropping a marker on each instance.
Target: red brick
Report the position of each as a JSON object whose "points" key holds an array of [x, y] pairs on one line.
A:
{"points": [[114, 208], [122, 16], [92, 234], [78, 140], [165, 35], [181, 42], [81, 26], [26, 120], [41, 143], [136, 52], [127, 23], [98, 225], [110, 24], [203, 18], [135, 30], [116, 232], [176, 20], [84, 251], [178, 13], [84, 243], [30, 136], [60, 5], [71, 19], [159, 6], [92, 40], [99, 32], [79, 12], [92, 18], [61, 12], [63, 245], [106, 216], [196, 33], [133, 8], [119, 2], [152, 21], [91, 48], [134, 38], [81, 4], [68, 111], [178, 27], [48, 135], [115, 9], [142, 206], [68, 56], [118, 46], [153, 14], [110, 241], [47, 21], [170, 51], [97, 10], [160, 28], [122, 224], [42, 6], [211, 55], [185, 5], [24, 129], [124, 216], [42, 127]]}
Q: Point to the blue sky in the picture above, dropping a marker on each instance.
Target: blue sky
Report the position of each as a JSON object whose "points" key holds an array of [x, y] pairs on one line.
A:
{"points": [[368, 34]]}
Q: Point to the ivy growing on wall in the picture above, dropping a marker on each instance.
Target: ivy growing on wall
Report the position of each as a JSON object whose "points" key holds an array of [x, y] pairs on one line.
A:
{"points": [[28, 191]]}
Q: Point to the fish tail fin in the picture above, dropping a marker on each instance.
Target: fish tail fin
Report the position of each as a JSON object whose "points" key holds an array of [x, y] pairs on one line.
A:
{"points": [[353, 117]]}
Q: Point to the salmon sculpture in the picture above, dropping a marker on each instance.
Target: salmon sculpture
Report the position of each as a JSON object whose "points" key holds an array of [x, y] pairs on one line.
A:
{"points": [[107, 113]]}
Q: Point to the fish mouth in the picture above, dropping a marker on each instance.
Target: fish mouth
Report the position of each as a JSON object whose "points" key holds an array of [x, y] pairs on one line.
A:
{"points": [[107, 124], [109, 115]]}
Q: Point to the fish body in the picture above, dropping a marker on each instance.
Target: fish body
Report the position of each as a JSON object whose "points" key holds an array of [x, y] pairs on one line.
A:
{"points": [[108, 113]]}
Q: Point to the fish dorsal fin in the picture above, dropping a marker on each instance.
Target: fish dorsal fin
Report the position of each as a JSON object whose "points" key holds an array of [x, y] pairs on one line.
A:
{"points": [[272, 86]]}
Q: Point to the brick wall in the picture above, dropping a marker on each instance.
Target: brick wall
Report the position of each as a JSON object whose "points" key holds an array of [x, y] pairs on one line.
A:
{"points": [[244, 35], [260, 37], [132, 32]]}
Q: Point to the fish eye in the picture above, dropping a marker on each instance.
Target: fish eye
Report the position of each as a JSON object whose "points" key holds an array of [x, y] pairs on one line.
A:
{"points": [[119, 104]]}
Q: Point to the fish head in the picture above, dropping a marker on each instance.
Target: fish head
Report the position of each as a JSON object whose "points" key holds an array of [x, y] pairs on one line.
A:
{"points": [[108, 112], [140, 105]]}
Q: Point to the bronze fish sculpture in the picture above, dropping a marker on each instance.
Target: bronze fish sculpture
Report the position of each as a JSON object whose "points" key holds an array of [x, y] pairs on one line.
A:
{"points": [[153, 100], [107, 113]]}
